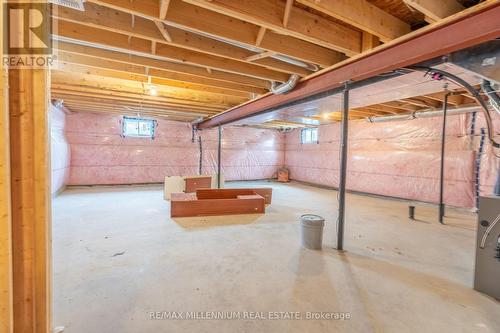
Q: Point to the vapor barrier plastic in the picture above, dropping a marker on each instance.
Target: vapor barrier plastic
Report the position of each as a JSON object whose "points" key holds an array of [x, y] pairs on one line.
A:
{"points": [[399, 159], [100, 155], [59, 149]]}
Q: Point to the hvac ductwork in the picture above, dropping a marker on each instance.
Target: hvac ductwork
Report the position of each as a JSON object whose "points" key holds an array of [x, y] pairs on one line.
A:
{"points": [[282, 88], [425, 114], [494, 100]]}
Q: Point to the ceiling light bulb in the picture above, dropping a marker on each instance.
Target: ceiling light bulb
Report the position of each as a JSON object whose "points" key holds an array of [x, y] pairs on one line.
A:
{"points": [[325, 116], [153, 91]]}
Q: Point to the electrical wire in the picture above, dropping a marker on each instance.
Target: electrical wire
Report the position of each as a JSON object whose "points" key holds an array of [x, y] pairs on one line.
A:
{"points": [[470, 89]]}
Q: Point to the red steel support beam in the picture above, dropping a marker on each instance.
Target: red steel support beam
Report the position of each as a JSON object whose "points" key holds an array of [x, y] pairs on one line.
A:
{"points": [[472, 27]]}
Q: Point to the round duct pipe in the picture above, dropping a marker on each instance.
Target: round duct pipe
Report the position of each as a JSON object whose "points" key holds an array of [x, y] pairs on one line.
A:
{"points": [[429, 113], [494, 99], [285, 87]]}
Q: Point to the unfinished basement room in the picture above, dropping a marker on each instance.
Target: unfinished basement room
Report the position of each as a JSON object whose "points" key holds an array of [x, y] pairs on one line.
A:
{"points": [[250, 166]]}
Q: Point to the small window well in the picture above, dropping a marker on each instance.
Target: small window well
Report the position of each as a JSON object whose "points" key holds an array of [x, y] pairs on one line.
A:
{"points": [[139, 127], [309, 135]]}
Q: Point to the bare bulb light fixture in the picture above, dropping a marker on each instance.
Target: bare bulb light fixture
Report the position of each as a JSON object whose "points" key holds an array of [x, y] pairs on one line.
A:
{"points": [[153, 90]]}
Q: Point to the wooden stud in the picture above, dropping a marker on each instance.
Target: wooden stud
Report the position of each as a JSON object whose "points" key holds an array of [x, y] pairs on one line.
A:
{"points": [[260, 56], [288, 9], [164, 32], [164, 8], [30, 195], [6, 322], [369, 41], [153, 47], [260, 36]]}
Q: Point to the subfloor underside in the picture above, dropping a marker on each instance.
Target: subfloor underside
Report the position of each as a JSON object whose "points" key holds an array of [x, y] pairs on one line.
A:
{"points": [[118, 257]]}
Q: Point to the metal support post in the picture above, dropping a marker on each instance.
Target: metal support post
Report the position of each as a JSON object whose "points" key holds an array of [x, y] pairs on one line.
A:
{"points": [[343, 169]]}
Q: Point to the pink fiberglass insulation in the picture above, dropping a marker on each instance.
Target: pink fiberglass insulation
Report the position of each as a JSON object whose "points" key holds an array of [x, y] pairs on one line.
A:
{"points": [[247, 153], [100, 155], [59, 148], [490, 159], [399, 159]]}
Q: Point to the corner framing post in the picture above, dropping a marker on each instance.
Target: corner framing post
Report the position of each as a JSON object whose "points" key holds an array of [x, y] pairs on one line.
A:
{"points": [[6, 292], [219, 155], [30, 197], [441, 174], [343, 169]]}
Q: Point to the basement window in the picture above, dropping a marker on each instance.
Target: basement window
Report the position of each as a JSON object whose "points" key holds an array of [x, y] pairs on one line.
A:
{"points": [[138, 127], [309, 135]]}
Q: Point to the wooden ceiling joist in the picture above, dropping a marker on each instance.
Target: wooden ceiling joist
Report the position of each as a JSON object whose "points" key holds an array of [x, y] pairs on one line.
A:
{"points": [[117, 40], [91, 101], [209, 23], [100, 98], [143, 112], [99, 106], [201, 57], [132, 95], [76, 63], [120, 22], [153, 78], [111, 84], [362, 15], [435, 10], [304, 25], [245, 81], [470, 27]]}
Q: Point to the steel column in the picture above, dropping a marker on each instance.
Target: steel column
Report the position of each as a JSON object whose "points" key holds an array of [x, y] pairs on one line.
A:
{"points": [[343, 169], [441, 174], [219, 155]]}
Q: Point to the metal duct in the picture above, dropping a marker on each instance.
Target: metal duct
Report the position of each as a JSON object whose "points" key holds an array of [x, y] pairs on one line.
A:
{"points": [[425, 114], [282, 88], [483, 60], [494, 100], [73, 4]]}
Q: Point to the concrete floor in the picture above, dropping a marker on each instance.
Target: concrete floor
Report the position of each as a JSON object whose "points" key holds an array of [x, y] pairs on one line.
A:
{"points": [[118, 256]]}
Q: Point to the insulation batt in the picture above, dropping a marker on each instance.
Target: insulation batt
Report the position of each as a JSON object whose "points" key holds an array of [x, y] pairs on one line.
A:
{"points": [[60, 150], [100, 155], [397, 159]]}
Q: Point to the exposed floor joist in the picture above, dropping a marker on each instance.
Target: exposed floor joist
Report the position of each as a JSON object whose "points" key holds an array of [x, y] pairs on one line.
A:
{"points": [[242, 83], [363, 15], [121, 22], [305, 25], [436, 10], [193, 18], [117, 40], [468, 28], [227, 49]]}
